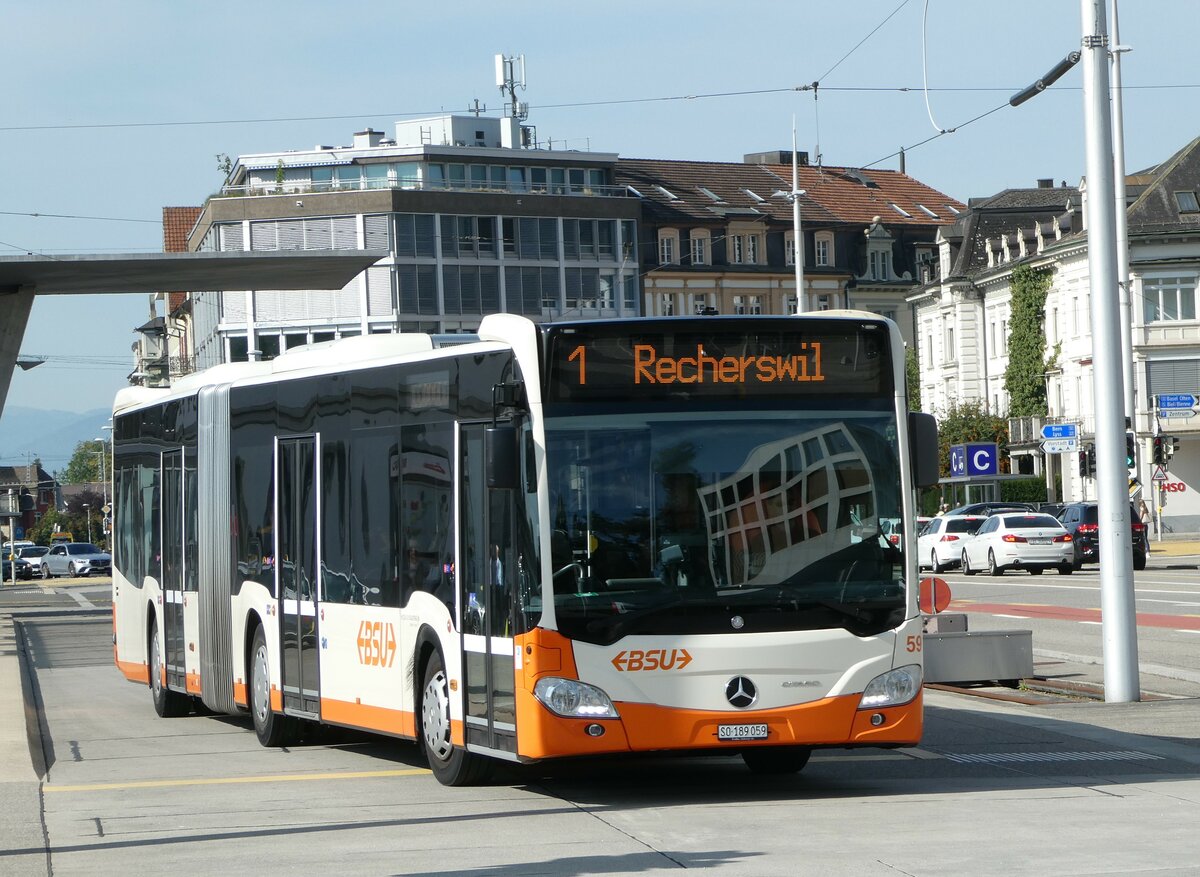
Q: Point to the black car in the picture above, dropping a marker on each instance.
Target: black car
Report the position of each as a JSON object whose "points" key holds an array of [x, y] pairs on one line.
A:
{"points": [[1082, 520]]}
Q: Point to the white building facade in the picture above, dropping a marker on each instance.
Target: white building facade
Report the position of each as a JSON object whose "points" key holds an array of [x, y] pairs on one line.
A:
{"points": [[963, 325]]}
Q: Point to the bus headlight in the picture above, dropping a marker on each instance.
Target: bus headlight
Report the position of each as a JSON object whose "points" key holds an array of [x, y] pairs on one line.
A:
{"points": [[892, 688], [574, 699]]}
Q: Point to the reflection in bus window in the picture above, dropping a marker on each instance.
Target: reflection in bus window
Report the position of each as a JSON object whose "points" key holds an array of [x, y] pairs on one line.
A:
{"points": [[704, 515]]}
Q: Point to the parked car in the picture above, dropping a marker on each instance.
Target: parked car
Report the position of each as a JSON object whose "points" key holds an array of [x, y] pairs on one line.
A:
{"points": [[75, 559], [1009, 540], [940, 544], [33, 555], [24, 570], [990, 508], [1081, 520]]}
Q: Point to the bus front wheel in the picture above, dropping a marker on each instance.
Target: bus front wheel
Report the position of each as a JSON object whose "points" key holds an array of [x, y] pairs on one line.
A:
{"points": [[450, 765]]}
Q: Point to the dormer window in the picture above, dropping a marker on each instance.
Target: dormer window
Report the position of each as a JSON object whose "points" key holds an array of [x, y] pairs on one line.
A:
{"points": [[668, 247], [1187, 202], [823, 246]]}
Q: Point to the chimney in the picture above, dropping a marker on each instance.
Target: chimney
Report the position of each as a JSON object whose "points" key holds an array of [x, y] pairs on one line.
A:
{"points": [[775, 156], [367, 139], [1046, 184]]}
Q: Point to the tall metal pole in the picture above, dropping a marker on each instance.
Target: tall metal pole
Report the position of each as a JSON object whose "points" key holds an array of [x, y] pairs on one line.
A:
{"points": [[797, 241], [1117, 607], [1118, 125]]}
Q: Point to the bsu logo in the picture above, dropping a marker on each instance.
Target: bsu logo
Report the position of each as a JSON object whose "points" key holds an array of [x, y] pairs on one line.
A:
{"points": [[651, 659]]}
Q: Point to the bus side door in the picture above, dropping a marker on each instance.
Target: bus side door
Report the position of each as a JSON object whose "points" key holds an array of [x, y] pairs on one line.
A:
{"points": [[296, 565], [485, 595]]}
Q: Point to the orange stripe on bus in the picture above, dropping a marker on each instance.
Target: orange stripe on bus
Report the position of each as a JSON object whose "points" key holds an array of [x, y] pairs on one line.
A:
{"points": [[400, 723], [192, 683], [135, 672], [276, 700], [239, 694]]}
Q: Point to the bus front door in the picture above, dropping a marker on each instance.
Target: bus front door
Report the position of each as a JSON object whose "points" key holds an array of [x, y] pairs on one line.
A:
{"points": [[173, 569], [485, 599], [296, 565]]}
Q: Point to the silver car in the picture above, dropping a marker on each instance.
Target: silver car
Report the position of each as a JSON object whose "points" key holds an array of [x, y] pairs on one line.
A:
{"points": [[75, 559]]}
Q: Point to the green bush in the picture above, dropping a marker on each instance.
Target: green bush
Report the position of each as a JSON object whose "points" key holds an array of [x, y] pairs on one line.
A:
{"points": [[1023, 490]]}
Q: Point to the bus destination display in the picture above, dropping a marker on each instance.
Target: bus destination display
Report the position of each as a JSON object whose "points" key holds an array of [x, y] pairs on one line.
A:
{"points": [[788, 358]]}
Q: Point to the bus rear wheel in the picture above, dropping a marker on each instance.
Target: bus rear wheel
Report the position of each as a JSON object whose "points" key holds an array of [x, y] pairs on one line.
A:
{"points": [[450, 765], [272, 729], [776, 759]]}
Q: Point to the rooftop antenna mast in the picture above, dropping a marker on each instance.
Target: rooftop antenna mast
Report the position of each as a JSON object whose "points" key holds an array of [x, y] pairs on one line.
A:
{"points": [[507, 79]]}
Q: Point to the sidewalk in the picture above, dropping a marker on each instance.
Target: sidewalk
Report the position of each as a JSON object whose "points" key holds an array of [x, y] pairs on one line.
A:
{"points": [[1174, 547]]}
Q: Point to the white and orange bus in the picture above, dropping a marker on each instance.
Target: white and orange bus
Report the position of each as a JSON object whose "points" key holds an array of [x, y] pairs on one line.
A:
{"points": [[539, 541]]}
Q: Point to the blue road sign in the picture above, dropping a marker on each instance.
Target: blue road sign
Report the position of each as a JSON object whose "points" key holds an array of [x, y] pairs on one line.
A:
{"points": [[1176, 400], [1059, 431], [982, 459], [958, 461]]}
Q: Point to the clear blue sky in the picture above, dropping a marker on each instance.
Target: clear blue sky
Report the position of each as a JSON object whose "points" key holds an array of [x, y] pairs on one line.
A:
{"points": [[83, 79]]}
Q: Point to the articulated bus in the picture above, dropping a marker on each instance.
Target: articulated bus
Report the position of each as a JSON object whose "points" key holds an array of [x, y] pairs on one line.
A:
{"points": [[540, 541]]}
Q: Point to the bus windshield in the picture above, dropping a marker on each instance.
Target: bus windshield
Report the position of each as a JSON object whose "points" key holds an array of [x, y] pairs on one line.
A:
{"points": [[712, 520]]}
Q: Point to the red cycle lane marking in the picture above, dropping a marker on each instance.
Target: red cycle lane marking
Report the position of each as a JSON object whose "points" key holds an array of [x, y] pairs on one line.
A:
{"points": [[1066, 613]]}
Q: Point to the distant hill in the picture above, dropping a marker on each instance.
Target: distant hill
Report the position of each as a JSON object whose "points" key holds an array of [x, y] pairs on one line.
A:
{"points": [[51, 436]]}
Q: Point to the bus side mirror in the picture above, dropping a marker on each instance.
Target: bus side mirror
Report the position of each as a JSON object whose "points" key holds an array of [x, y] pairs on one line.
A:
{"points": [[923, 448], [500, 457]]}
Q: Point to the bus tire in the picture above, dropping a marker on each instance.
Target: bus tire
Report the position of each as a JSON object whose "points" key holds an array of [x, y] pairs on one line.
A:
{"points": [[450, 765], [776, 759], [168, 704], [272, 728]]}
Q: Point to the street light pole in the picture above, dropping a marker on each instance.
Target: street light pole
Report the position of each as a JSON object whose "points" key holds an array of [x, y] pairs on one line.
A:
{"points": [[87, 513], [797, 240], [1118, 611]]}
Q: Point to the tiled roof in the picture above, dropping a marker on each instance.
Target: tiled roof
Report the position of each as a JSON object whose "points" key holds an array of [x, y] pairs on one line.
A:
{"points": [[177, 224], [1156, 209], [1020, 199], [672, 191], [833, 195], [853, 195]]}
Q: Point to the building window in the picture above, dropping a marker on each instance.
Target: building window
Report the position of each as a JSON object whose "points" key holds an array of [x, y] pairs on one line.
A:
{"points": [[948, 353], [700, 246], [667, 304], [789, 248], [747, 304], [745, 249], [824, 249], [823, 303], [668, 247], [1169, 299], [1187, 202], [879, 265]]}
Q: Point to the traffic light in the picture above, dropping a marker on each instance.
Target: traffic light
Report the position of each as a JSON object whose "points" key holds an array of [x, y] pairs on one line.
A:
{"points": [[1130, 452], [1172, 445], [1087, 462], [1160, 450]]}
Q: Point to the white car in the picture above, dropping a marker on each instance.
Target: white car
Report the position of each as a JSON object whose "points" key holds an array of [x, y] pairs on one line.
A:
{"points": [[939, 546], [1019, 540]]}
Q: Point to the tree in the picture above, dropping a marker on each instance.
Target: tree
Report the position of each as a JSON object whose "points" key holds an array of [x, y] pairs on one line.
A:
{"points": [[1025, 377], [912, 378], [85, 463], [968, 422]]}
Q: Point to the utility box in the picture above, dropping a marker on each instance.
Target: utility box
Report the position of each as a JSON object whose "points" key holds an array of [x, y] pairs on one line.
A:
{"points": [[946, 622], [978, 656]]}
